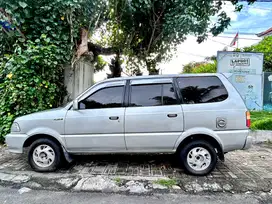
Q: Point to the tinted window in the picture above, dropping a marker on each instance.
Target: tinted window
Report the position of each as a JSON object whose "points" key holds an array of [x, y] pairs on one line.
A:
{"points": [[105, 98], [169, 96], [202, 89], [152, 95], [146, 95]]}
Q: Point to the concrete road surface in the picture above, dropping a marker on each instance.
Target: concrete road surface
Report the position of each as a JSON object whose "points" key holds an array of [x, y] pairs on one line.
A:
{"points": [[12, 196]]}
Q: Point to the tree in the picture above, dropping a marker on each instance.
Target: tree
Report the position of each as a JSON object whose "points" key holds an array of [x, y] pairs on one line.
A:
{"points": [[147, 31], [37, 39]]}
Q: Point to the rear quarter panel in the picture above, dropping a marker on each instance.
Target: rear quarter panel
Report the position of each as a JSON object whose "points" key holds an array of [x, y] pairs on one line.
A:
{"points": [[233, 110]]}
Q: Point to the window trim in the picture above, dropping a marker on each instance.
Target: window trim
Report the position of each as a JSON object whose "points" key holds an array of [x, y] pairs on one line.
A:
{"points": [[106, 87], [150, 84], [183, 102]]}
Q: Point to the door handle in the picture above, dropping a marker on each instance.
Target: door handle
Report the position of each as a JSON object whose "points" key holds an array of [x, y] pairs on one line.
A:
{"points": [[113, 117], [172, 115]]}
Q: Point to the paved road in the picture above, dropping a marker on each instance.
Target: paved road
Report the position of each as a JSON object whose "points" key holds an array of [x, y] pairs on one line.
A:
{"points": [[11, 196]]}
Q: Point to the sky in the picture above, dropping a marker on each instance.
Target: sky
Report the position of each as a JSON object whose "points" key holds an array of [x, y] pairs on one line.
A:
{"points": [[251, 20]]}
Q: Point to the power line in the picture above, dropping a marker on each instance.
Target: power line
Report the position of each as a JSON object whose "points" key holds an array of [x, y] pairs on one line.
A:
{"points": [[219, 42], [196, 55], [232, 37]]}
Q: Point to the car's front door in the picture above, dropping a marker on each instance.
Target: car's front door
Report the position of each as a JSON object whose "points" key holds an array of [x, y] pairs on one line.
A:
{"points": [[154, 118], [98, 124]]}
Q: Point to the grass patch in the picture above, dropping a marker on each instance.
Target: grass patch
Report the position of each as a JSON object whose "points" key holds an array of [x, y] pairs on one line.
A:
{"points": [[118, 180], [261, 120], [166, 182]]}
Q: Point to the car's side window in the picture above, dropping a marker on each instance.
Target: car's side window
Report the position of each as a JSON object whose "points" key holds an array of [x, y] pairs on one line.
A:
{"points": [[202, 89], [152, 95], [111, 97], [169, 95]]}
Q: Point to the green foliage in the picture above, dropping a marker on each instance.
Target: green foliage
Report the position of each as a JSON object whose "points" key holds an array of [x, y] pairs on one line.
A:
{"points": [[59, 20], [32, 81], [264, 46], [264, 124], [166, 182], [43, 36], [149, 31], [100, 63], [118, 180], [261, 120], [200, 67]]}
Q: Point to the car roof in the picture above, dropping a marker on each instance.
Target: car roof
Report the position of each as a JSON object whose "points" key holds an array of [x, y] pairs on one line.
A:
{"points": [[159, 76]]}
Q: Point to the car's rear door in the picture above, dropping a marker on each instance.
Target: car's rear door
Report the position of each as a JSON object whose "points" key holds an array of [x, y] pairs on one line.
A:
{"points": [[153, 118]]}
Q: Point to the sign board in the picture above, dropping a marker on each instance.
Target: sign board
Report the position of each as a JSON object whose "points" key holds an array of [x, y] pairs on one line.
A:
{"points": [[240, 62], [246, 69]]}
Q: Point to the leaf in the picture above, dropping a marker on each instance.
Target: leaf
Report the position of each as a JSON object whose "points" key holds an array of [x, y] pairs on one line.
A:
{"points": [[48, 28], [22, 4], [43, 36]]}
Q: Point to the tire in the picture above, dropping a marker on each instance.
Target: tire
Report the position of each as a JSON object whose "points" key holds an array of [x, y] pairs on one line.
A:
{"points": [[198, 157], [47, 156]]}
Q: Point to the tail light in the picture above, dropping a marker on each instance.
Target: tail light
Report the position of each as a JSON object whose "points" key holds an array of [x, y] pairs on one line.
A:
{"points": [[248, 119]]}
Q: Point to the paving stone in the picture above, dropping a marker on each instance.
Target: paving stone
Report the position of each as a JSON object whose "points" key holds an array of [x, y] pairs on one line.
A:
{"points": [[158, 186], [248, 170], [32, 184], [20, 179], [6, 177], [68, 182], [24, 190], [175, 187], [193, 186], [97, 183], [227, 187], [136, 187], [212, 187]]}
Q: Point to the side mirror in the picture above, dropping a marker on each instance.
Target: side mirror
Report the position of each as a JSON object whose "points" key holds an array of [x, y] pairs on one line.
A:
{"points": [[75, 104]]}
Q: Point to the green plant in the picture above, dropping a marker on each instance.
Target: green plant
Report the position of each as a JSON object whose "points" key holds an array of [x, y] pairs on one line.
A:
{"points": [[117, 180], [149, 31], [200, 67], [265, 46], [40, 38], [166, 182], [32, 80], [263, 124]]}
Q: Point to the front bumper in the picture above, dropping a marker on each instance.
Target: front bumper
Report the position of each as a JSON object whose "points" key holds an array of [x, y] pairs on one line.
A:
{"points": [[16, 142], [248, 143]]}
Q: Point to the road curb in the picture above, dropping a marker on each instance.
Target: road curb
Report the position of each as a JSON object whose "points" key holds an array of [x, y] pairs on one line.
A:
{"points": [[261, 136], [139, 186]]}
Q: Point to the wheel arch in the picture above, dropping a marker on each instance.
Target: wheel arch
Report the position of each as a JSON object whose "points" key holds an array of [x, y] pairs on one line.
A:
{"points": [[213, 141], [33, 138]]}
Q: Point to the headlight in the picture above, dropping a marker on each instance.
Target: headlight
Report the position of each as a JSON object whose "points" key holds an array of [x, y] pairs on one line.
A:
{"points": [[15, 127]]}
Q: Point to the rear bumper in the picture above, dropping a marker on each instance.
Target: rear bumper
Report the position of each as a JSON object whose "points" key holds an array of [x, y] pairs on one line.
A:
{"points": [[15, 142], [248, 143]]}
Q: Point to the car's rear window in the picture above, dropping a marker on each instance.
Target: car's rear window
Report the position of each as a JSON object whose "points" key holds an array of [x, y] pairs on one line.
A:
{"points": [[202, 89]]}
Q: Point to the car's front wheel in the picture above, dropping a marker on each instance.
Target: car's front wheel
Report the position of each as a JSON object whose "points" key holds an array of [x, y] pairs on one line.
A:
{"points": [[198, 157], [44, 155]]}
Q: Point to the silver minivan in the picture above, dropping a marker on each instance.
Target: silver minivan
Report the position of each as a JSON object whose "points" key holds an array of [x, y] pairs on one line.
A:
{"points": [[199, 117]]}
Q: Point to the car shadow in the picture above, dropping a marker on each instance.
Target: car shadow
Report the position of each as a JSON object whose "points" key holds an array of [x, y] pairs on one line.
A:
{"points": [[158, 160]]}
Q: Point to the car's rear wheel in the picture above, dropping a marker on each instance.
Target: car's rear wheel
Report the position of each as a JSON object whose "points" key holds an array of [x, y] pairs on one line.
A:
{"points": [[44, 155], [198, 157]]}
